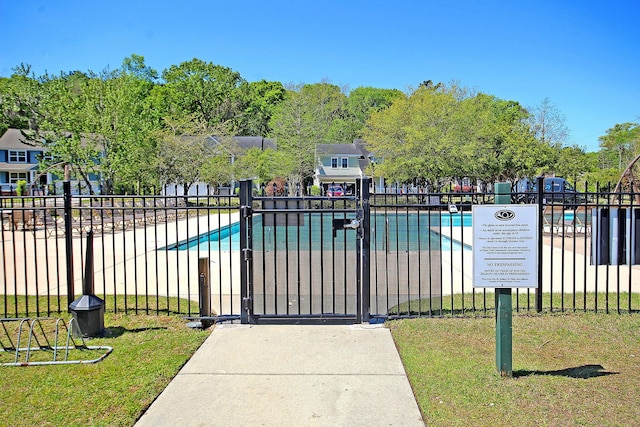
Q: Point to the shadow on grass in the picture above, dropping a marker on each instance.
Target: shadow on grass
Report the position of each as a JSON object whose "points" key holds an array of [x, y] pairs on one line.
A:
{"points": [[116, 331], [581, 372]]}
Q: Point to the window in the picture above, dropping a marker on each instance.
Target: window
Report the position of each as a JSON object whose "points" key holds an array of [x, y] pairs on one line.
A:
{"points": [[334, 163], [45, 157], [14, 177], [345, 162], [17, 156]]}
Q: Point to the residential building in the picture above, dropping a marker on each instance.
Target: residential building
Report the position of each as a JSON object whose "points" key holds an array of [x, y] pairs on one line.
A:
{"points": [[19, 160], [342, 164]]}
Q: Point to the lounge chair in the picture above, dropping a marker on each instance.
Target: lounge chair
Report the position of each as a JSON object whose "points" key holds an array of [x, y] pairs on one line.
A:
{"points": [[564, 222], [19, 217]]}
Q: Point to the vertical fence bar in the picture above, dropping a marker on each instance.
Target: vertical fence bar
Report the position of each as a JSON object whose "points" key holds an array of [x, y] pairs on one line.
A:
{"points": [[539, 197], [68, 239]]}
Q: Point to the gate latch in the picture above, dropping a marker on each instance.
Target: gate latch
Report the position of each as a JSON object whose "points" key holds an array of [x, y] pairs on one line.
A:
{"points": [[345, 224]]}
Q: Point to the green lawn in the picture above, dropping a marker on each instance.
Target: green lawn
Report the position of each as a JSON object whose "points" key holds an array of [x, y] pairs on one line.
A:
{"points": [[569, 370], [148, 351]]}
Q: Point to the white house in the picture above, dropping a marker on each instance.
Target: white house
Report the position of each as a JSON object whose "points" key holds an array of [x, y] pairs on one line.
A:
{"points": [[341, 164]]}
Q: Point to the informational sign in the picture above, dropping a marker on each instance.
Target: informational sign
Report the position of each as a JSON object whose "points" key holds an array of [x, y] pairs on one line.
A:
{"points": [[505, 246]]}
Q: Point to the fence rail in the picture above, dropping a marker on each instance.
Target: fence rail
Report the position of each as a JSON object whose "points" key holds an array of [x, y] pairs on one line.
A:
{"points": [[590, 252]]}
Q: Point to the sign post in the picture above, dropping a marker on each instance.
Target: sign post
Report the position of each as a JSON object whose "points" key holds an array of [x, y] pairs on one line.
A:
{"points": [[505, 256]]}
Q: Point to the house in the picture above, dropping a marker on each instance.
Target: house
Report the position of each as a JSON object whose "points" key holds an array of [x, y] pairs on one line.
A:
{"points": [[19, 162], [341, 164]]}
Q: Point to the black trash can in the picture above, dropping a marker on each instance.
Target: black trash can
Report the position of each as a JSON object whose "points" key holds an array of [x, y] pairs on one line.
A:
{"points": [[88, 315]]}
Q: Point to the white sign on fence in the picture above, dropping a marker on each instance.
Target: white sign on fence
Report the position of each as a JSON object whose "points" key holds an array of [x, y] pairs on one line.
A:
{"points": [[505, 246]]}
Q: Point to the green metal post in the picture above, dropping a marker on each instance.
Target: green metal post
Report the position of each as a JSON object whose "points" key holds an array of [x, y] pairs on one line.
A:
{"points": [[504, 313], [504, 332], [502, 193]]}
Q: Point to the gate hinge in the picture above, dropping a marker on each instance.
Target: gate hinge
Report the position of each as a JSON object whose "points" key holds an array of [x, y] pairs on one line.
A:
{"points": [[246, 303], [246, 254]]}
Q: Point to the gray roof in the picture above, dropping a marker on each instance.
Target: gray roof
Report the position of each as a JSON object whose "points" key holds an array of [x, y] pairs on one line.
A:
{"points": [[244, 142], [339, 150], [13, 139], [247, 142]]}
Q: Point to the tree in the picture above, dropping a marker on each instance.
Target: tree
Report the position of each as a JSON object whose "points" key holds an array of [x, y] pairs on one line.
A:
{"points": [[216, 169], [209, 94], [363, 101], [260, 102], [419, 137], [134, 66], [504, 149], [67, 117], [310, 115], [573, 163], [446, 131], [621, 144], [265, 165], [100, 124], [20, 97], [548, 124], [183, 152]]}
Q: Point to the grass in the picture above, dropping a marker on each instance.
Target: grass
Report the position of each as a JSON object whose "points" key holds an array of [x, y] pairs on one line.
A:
{"points": [[569, 370], [148, 351], [30, 306]]}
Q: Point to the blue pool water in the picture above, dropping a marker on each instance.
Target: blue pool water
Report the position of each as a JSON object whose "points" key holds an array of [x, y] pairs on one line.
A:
{"points": [[225, 238], [456, 220], [399, 232]]}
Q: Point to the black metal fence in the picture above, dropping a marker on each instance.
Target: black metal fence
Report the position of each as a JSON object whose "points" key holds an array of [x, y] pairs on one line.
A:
{"points": [[147, 249], [140, 257]]}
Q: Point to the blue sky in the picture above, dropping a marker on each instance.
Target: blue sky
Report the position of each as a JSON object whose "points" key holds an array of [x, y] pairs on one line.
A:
{"points": [[583, 55]]}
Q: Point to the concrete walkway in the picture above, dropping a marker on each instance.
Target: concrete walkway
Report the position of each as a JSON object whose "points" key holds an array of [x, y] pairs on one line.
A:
{"points": [[290, 375]]}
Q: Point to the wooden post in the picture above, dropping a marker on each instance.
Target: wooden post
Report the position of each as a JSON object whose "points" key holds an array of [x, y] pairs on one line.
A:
{"points": [[204, 290]]}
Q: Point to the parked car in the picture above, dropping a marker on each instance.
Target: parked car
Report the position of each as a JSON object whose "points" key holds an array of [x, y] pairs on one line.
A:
{"points": [[560, 191], [335, 191], [464, 188]]}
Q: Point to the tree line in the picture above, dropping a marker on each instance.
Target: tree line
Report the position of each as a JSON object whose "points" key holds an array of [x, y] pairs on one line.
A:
{"points": [[141, 129]]}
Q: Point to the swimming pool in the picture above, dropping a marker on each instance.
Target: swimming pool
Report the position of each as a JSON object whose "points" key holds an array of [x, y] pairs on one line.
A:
{"points": [[389, 232]]}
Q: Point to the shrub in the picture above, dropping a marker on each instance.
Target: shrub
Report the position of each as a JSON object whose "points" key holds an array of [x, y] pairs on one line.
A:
{"points": [[21, 189], [276, 187]]}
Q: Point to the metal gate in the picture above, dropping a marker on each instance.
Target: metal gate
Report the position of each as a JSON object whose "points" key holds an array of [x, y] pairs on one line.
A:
{"points": [[305, 259]]}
